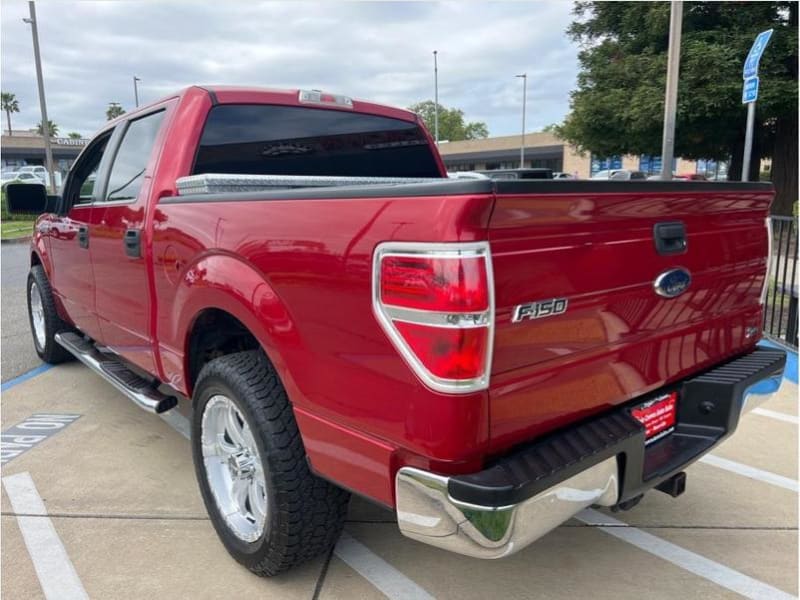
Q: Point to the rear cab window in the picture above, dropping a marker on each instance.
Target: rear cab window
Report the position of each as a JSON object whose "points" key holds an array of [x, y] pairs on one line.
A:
{"points": [[289, 140]]}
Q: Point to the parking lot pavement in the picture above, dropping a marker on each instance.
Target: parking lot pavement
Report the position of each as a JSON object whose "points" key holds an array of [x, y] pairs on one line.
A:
{"points": [[118, 488], [18, 354]]}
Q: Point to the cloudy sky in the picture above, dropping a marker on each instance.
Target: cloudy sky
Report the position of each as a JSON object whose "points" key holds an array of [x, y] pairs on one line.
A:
{"points": [[378, 51]]}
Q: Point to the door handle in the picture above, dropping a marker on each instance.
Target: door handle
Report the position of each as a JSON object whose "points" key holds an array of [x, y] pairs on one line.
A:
{"points": [[83, 236], [670, 238], [133, 243]]}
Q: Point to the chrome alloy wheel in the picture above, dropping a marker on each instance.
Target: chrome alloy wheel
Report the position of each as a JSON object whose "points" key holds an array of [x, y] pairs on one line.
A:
{"points": [[37, 316], [233, 468]]}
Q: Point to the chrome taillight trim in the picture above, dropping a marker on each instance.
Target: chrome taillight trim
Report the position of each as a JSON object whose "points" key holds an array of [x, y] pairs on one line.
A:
{"points": [[765, 286], [387, 314]]}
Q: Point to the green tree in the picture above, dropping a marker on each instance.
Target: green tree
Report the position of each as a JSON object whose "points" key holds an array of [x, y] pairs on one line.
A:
{"points": [[452, 125], [74, 135], [618, 105], [114, 110], [10, 105], [51, 127]]}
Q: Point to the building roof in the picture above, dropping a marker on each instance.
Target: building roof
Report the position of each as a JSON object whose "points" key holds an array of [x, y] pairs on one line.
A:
{"points": [[506, 142]]}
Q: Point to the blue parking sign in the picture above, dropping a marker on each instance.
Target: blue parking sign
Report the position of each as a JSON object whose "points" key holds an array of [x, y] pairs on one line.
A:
{"points": [[754, 56], [750, 90]]}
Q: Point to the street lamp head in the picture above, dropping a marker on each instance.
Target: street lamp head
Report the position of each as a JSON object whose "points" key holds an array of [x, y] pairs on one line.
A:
{"points": [[523, 75], [27, 20]]}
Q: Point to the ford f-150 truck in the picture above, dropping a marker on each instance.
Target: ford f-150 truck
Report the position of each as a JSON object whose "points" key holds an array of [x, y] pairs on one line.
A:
{"points": [[485, 357]]}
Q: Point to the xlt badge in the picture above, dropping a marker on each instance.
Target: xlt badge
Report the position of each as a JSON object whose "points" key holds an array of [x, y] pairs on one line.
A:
{"points": [[538, 310]]}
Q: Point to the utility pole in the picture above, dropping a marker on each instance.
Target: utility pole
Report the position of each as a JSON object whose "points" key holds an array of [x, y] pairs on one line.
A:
{"points": [[48, 153], [435, 97], [671, 96], [136, 90], [524, 78]]}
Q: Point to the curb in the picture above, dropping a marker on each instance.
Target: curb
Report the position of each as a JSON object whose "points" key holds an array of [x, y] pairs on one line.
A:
{"points": [[20, 240]]}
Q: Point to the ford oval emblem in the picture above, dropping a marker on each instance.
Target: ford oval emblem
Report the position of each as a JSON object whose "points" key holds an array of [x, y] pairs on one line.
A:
{"points": [[672, 283]]}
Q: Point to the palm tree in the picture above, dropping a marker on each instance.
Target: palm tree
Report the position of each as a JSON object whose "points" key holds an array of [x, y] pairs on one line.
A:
{"points": [[74, 135], [52, 128], [10, 105], [114, 110]]}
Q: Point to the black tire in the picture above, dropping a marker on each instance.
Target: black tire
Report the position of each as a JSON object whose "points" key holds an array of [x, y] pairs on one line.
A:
{"points": [[51, 352], [305, 513]]}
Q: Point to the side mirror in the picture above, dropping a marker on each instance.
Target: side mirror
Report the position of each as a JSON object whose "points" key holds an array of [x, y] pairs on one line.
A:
{"points": [[29, 199]]}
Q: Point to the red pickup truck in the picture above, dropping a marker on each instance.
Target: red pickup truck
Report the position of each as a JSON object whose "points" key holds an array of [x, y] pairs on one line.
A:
{"points": [[486, 357]]}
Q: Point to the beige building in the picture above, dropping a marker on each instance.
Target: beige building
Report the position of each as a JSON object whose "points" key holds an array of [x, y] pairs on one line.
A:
{"points": [[544, 149], [27, 148]]}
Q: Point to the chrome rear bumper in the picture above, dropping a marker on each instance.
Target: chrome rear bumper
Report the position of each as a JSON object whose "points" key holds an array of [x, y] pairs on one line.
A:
{"points": [[427, 513], [490, 514]]}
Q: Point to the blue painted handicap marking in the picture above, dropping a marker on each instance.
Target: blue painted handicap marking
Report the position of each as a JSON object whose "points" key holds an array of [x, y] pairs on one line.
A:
{"points": [[35, 429]]}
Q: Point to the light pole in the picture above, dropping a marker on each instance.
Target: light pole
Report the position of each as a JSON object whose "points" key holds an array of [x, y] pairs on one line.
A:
{"points": [[671, 99], [136, 90], [524, 78], [435, 97], [48, 153]]}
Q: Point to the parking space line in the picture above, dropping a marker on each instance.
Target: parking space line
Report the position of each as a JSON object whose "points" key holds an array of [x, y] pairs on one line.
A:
{"points": [[377, 571], [751, 472], [361, 559], [685, 559], [24, 377], [53, 567], [778, 416]]}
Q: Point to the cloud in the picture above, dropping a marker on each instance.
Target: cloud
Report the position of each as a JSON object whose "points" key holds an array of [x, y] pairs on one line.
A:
{"points": [[379, 51]]}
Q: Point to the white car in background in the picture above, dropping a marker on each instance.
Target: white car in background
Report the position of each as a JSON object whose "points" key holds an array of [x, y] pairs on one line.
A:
{"points": [[18, 177], [40, 172]]}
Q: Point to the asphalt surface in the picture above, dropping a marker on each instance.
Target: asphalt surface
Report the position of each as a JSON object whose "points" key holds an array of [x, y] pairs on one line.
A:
{"points": [[18, 354], [108, 507]]}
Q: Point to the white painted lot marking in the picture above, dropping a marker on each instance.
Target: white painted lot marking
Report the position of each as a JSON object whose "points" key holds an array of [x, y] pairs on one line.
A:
{"points": [[751, 472], [685, 559], [178, 422], [778, 416], [361, 559], [54, 569], [377, 571]]}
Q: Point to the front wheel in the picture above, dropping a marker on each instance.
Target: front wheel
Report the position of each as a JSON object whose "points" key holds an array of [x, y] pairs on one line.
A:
{"points": [[269, 510], [44, 320]]}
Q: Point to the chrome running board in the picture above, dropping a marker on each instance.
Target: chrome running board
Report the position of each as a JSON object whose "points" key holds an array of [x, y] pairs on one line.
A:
{"points": [[143, 393]]}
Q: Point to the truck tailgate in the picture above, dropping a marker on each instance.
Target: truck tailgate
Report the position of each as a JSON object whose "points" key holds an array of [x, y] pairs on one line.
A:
{"points": [[611, 337]]}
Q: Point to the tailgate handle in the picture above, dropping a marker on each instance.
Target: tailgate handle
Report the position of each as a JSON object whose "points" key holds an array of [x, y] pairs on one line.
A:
{"points": [[670, 238]]}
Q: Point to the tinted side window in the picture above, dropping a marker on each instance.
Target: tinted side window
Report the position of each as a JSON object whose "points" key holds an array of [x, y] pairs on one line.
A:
{"points": [[80, 185], [290, 140], [127, 172]]}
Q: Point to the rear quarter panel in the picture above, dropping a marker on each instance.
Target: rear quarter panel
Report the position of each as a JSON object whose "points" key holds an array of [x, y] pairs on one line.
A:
{"points": [[301, 270]]}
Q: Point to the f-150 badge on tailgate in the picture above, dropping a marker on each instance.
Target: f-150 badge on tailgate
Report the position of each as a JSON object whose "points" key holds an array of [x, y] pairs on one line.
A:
{"points": [[538, 310]]}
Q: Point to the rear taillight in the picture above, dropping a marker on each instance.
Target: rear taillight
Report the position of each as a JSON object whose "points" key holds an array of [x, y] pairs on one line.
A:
{"points": [[436, 304]]}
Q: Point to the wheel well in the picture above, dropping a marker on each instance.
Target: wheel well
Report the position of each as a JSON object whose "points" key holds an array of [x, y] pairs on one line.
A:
{"points": [[35, 259], [215, 333]]}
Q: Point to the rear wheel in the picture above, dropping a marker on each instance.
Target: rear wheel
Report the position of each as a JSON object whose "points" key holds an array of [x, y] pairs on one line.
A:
{"points": [[44, 320], [269, 510]]}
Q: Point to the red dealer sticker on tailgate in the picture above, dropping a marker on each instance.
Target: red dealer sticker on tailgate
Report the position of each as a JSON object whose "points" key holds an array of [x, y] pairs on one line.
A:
{"points": [[657, 416]]}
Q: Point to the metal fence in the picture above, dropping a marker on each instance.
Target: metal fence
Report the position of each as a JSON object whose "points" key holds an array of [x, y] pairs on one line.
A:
{"points": [[780, 312]]}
